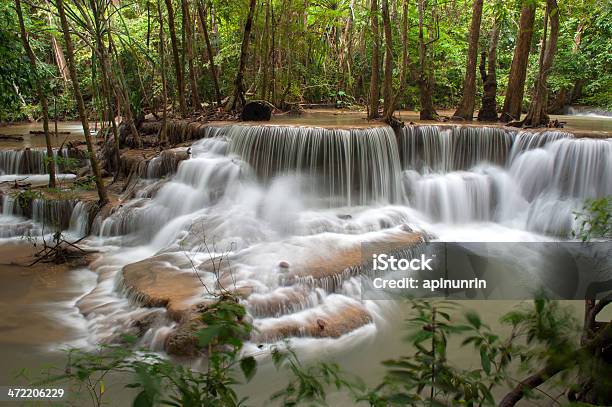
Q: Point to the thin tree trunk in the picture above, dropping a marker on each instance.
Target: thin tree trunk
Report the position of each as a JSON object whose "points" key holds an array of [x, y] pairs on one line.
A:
{"points": [[95, 168], [195, 96], [263, 91], [465, 110], [163, 133], [388, 70], [374, 91], [178, 68], [405, 55], [513, 102], [488, 111], [107, 84], [537, 115], [60, 59], [565, 94], [118, 82], [424, 80], [238, 99], [42, 98], [210, 51]]}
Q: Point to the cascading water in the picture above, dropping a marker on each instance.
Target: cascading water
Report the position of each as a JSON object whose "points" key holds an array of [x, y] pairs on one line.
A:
{"points": [[356, 165], [30, 161], [290, 206]]}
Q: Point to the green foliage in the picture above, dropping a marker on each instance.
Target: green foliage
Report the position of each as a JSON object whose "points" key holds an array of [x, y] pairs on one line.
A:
{"points": [[595, 219], [308, 384], [542, 332], [86, 183], [320, 49], [24, 198]]}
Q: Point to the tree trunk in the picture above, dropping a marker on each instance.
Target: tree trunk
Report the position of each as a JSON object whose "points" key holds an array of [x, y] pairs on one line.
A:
{"points": [[108, 86], [425, 79], [565, 95], [195, 96], [263, 89], [163, 132], [405, 55], [117, 80], [537, 115], [95, 168], [465, 110], [60, 60], [374, 92], [513, 102], [488, 111], [178, 68], [388, 79], [238, 99], [42, 98], [210, 52]]}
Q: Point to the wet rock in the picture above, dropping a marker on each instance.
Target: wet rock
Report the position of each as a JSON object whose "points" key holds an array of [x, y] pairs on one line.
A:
{"points": [[344, 217], [160, 282], [282, 301], [331, 270], [406, 228], [143, 323], [324, 322], [182, 342], [256, 111]]}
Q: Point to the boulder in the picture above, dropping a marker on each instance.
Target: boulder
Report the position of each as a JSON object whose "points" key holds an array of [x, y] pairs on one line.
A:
{"points": [[256, 111]]}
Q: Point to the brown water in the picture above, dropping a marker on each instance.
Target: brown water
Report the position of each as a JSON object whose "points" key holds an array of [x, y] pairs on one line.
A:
{"points": [[38, 315], [38, 140]]}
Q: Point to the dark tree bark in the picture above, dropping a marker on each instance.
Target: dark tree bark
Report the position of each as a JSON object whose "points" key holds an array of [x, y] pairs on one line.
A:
{"points": [[117, 79], [95, 167], [42, 98], [163, 133], [513, 102], [565, 95], [108, 84], [537, 116], [374, 91], [178, 67], [425, 76], [465, 110], [488, 110], [238, 100], [210, 52], [193, 82], [388, 69], [265, 57]]}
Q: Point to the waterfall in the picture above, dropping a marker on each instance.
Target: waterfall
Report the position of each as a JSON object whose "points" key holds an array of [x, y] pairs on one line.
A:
{"points": [[291, 207], [527, 140], [31, 160], [354, 167], [450, 148], [54, 213]]}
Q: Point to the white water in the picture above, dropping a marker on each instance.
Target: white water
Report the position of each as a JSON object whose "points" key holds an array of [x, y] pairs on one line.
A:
{"points": [[267, 195], [598, 113]]}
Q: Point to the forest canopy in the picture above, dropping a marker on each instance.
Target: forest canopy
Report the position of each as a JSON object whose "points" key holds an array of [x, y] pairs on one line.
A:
{"points": [[309, 52]]}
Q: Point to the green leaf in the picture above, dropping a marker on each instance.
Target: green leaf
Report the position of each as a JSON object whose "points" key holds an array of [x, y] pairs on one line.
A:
{"points": [[474, 319], [484, 360], [142, 400], [248, 366], [208, 334]]}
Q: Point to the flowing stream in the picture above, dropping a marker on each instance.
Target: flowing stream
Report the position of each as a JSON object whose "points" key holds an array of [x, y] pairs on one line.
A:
{"points": [[268, 198]]}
